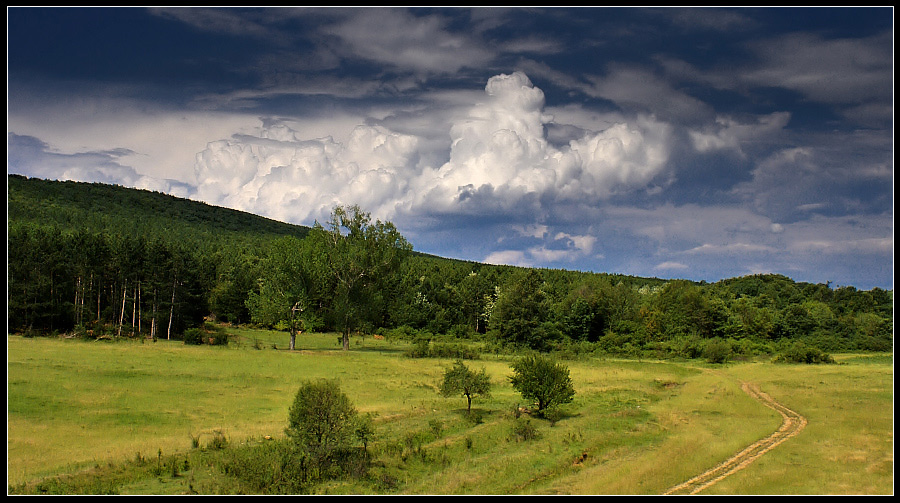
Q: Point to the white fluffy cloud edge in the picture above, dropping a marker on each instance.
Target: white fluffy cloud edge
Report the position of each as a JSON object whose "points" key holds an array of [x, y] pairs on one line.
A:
{"points": [[540, 202], [499, 159]]}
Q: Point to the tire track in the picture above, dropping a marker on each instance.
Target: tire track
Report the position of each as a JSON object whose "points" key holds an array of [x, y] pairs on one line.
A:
{"points": [[792, 423]]}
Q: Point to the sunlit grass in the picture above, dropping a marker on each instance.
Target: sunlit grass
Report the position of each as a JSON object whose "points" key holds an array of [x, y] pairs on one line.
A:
{"points": [[635, 427], [847, 447]]}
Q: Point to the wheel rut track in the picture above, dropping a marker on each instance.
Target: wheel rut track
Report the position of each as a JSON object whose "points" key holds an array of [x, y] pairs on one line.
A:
{"points": [[792, 424]]}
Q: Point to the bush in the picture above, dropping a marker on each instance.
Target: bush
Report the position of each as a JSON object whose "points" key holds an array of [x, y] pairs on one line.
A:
{"points": [[424, 348], [274, 467], [523, 430], [717, 351], [194, 336], [321, 421], [219, 338], [541, 379], [801, 353]]}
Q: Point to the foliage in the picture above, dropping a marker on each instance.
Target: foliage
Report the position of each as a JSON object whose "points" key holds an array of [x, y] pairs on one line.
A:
{"points": [[519, 312], [459, 379], [717, 351], [194, 336], [321, 421], [357, 261], [523, 430], [425, 348], [208, 334], [97, 261], [274, 467], [541, 379], [801, 353]]}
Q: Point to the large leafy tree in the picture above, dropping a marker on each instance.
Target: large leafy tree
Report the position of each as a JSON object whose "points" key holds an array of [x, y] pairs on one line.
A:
{"points": [[286, 287], [359, 259], [519, 312]]}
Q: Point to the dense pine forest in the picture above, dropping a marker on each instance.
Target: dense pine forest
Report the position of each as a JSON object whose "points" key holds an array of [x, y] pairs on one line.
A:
{"points": [[101, 261]]}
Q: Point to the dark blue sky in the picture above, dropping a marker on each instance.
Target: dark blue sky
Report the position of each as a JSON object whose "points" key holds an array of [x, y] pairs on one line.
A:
{"points": [[692, 143]]}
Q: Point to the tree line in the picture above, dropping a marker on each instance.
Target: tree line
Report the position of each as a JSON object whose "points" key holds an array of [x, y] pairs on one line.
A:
{"points": [[140, 273]]}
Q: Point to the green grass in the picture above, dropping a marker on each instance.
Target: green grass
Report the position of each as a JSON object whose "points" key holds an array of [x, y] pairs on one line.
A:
{"points": [[98, 417], [847, 447]]}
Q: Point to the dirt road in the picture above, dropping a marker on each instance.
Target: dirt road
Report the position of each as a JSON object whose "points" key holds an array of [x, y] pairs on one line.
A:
{"points": [[791, 425]]}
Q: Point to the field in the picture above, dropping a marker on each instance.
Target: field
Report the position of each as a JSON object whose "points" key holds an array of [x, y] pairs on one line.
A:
{"points": [[635, 427]]}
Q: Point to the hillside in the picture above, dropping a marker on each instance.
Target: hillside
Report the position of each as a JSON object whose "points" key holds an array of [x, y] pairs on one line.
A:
{"points": [[95, 258], [97, 207]]}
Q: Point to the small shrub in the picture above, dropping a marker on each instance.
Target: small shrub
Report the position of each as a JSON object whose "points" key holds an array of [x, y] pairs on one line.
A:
{"points": [[524, 431], [717, 351], [194, 336], [424, 348], [553, 415], [437, 427], [219, 441], [219, 338], [475, 417], [271, 468]]}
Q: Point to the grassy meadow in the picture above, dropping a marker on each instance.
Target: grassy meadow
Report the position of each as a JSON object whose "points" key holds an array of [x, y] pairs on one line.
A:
{"points": [[97, 410]]}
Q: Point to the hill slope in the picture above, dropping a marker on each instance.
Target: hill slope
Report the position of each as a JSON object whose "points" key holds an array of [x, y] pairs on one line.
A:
{"points": [[97, 207]]}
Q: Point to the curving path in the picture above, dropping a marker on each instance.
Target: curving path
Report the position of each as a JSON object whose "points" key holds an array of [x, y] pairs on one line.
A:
{"points": [[791, 425]]}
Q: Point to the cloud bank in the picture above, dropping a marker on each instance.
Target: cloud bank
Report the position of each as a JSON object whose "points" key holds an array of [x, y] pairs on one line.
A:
{"points": [[500, 161], [612, 140]]}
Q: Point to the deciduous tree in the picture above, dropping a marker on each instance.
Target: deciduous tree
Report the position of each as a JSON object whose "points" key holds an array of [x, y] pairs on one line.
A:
{"points": [[542, 380], [459, 379], [359, 257]]}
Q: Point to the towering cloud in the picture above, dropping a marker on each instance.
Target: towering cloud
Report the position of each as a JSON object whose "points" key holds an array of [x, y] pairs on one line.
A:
{"points": [[500, 162]]}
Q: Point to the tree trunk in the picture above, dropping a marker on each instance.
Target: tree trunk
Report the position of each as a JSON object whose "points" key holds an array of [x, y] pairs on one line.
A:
{"points": [[122, 312], [139, 309], [294, 309], [153, 314], [153, 324], [134, 310], [77, 286], [171, 310]]}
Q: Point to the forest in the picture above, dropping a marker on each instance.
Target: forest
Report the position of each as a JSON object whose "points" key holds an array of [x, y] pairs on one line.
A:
{"points": [[99, 261]]}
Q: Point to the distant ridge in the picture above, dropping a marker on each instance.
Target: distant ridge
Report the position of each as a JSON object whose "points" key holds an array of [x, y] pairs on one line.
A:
{"points": [[98, 207], [103, 208]]}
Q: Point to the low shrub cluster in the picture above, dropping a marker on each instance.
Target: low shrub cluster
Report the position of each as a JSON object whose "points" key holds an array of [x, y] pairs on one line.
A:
{"points": [[425, 348], [801, 353], [208, 334]]}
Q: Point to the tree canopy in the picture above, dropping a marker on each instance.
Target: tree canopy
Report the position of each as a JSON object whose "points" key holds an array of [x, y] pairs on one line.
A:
{"points": [[543, 380], [103, 261], [461, 380]]}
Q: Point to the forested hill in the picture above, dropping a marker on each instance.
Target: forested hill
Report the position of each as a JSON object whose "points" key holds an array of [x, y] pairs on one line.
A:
{"points": [[97, 207], [101, 260]]}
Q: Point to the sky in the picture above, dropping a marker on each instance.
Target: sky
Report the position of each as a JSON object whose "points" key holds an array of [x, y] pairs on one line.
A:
{"points": [[676, 143]]}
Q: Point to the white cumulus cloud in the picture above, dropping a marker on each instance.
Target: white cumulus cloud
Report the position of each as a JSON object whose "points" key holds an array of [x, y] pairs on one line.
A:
{"points": [[500, 163]]}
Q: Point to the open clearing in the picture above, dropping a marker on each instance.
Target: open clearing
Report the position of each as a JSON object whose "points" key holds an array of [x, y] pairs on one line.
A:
{"points": [[635, 427]]}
